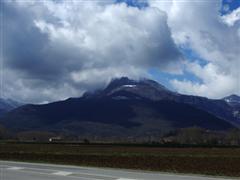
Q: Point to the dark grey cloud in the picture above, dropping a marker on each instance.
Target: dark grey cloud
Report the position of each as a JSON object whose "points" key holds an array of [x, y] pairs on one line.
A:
{"points": [[25, 47]]}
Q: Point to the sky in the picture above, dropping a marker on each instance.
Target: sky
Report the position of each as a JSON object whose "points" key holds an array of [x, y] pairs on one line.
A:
{"points": [[54, 49]]}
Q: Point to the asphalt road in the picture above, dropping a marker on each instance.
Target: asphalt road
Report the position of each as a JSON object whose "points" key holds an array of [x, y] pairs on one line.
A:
{"points": [[31, 171]]}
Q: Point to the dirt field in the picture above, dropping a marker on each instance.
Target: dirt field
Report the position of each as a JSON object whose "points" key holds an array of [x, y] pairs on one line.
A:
{"points": [[213, 161]]}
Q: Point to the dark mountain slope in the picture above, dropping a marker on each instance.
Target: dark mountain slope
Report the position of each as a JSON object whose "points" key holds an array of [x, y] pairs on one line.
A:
{"points": [[7, 105], [129, 116], [124, 108], [233, 100], [154, 91]]}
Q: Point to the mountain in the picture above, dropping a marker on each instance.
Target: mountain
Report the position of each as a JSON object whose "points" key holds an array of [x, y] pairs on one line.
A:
{"points": [[7, 105], [125, 108], [144, 88], [154, 91], [234, 102], [217, 107]]}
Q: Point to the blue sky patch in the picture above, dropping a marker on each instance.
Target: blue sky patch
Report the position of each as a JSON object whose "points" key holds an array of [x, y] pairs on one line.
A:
{"points": [[135, 3], [192, 56], [165, 78], [229, 5]]}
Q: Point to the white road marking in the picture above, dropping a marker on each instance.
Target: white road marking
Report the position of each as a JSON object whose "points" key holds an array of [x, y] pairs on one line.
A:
{"points": [[15, 168], [78, 173], [47, 174], [23, 169], [62, 173]]}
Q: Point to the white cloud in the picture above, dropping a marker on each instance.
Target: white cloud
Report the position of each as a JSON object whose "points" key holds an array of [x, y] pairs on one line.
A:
{"points": [[114, 35], [232, 18], [215, 83], [198, 25], [55, 50]]}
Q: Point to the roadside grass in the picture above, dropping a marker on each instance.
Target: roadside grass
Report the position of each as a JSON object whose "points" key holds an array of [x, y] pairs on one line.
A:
{"points": [[209, 161]]}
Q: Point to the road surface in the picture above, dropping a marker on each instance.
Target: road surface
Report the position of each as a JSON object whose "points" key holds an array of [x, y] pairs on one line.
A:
{"points": [[31, 171]]}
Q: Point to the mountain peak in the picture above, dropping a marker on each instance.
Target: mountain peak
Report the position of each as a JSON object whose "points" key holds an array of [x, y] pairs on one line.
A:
{"points": [[118, 82], [232, 98], [126, 82], [234, 101], [144, 88], [8, 103], [128, 88], [153, 84]]}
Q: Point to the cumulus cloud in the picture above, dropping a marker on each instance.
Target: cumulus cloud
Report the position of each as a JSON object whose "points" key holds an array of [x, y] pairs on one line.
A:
{"points": [[232, 17], [57, 49], [216, 43], [214, 82]]}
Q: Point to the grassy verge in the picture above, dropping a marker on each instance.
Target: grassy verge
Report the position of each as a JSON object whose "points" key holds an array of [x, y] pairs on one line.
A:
{"points": [[210, 161]]}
